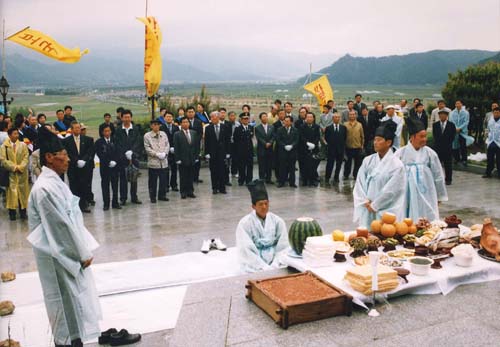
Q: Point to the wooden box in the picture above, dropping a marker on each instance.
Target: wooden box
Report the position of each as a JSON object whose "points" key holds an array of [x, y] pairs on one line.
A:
{"points": [[298, 298]]}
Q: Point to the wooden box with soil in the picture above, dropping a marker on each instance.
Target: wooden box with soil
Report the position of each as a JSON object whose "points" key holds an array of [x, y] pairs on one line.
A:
{"points": [[298, 298]]}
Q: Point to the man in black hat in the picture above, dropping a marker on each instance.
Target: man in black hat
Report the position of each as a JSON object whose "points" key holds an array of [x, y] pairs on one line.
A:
{"points": [[425, 179], [381, 180], [261, 235], [443, 133], [244, 148]]}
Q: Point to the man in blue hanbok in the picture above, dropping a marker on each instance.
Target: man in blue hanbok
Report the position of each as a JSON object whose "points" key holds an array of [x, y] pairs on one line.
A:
{"points": [[493, 144], [261, 235], [381, 181], [425, 179], [460, 117]]}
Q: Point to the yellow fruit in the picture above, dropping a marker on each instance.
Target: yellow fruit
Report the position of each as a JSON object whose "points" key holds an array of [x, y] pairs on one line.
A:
{"points": [[412, 229], [376, 226], [401, 229], [388, 230], [338, 235], [389, 218], [408, 221]]}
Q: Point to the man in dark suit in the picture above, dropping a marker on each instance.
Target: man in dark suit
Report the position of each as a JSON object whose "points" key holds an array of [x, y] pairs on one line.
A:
{"points": [[335, 137], [109, 157], [374, 120], [196, 125], [309, 136], [170, 129], [80, 150], [244, 148], [420, 114], [363, 119], [217, 138], [287, 141], [277, 125], [107, 122], [358, 104], [444, 133], [302, 117], [232, 167], [128, 137], [264, 132], [68, 115], [187, 152], [90, 194]]}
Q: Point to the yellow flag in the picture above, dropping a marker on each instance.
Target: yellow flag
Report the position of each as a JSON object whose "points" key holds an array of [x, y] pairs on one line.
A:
{"points": [[152, 55], [46, 45], [321, 89]]}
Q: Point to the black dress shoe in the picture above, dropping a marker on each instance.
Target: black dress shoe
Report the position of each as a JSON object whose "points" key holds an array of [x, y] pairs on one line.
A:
{"points": [[486, 176], [105, 208], [153, 201], [229, 184], [122, 338], [240, 183], [183, 196], [23, 214], [293, 185], [448, 183], [223, 192], [86, 210], [269, 182], [280, 185], [105, 337], [215, 191], [123, 202], [137, 202], [191, 196], [92, 203], [164, 198], [175, 189], [199, 181]]}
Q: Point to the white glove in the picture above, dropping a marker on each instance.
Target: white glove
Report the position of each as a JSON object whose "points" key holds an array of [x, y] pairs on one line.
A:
{"points": [[172, 150], [207, 156], [161, 155], [30, 147], [60, 136], [196, 161], [310, 145], [178, 162], [288, 148], [112, 164], [128, 154], [228, 156], [80, 163]]}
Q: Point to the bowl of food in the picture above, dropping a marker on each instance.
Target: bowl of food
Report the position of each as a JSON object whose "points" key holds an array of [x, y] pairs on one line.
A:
{"points": [[463, 254], [420, 265]]}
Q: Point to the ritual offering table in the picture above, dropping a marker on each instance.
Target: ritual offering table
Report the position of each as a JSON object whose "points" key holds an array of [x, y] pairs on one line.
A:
{"points": [[298, 298]]}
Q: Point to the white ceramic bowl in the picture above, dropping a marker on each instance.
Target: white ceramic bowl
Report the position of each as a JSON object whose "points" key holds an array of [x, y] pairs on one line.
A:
{"points": [[463, 259], [420, 265]]}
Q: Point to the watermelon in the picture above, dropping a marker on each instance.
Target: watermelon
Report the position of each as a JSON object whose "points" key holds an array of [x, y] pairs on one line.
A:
{"points": [[300, 230]]}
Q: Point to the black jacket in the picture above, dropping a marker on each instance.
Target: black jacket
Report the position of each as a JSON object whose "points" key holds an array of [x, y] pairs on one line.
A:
{"points": [[423, 119], [186, 152], [443, 141], [86, 152], [243, 141], [374, 120], [283, 138], [134, 142], [309, 134], [197, 126], [107, 153], [263, 138], [336, 140], [359, 108], [217, 148], [170, 135]]}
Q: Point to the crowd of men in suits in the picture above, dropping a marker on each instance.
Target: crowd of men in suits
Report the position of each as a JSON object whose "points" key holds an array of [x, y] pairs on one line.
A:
{"points": [[176, 145]]}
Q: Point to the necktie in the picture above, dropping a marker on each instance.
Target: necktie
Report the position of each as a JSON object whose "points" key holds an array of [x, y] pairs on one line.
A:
{"points": [[336, 128], [188, 136], [14, 147], [442, 127], [288, 131], [265, 129], [77, 142], [217, 132], [170, 128]]}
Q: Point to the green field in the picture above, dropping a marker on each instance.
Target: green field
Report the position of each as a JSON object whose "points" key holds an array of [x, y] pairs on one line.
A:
{"points": [[89, 107]]}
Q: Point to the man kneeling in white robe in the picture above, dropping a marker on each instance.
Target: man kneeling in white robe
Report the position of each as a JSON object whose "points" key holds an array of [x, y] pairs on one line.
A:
{"points": [[425, 179], [381, 181], [261, 235]]}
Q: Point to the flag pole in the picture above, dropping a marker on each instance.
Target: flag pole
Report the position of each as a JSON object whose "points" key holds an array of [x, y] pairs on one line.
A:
{"points": [[310, 80], [3, 47]]}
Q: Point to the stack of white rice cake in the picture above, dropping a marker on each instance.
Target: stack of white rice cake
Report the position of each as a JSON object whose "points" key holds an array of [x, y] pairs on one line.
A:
{"points": [[318, 251], [360, 278]]}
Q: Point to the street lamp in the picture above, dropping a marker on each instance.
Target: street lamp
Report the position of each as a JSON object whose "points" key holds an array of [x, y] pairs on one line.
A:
{"points": [[4, 89]]}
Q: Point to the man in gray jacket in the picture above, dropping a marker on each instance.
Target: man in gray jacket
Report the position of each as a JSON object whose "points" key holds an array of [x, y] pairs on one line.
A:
{"points": [[157, 148]]}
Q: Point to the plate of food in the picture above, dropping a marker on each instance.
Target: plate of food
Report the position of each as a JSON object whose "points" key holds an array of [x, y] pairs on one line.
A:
{"points": [[485, 255], [383, 260], [342, 247], [401, 254]]}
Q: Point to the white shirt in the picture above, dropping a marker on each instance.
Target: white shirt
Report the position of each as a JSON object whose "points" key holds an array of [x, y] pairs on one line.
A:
{"points": [[127, 129]]}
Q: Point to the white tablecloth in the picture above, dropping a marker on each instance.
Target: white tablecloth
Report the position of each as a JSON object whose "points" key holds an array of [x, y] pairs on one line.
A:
{"points": [[441, 281]]}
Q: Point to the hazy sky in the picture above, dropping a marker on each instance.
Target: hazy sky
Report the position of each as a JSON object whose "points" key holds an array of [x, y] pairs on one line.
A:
{"points": [[359, 27]]}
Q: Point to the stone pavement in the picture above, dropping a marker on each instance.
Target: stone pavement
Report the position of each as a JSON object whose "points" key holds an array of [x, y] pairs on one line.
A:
{"points": [[179, 226]]}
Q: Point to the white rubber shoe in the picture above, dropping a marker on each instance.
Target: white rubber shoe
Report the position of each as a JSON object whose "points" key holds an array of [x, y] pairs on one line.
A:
{"points": [[217, 244]]}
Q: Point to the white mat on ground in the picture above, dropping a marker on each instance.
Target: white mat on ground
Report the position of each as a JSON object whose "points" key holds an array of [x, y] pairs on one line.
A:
{"points": [[143, 295], [441, 281]]}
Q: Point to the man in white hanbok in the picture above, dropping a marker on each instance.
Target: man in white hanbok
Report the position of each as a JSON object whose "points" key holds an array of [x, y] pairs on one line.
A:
{"points": [[425, 179], [381, 181], [261, 235], [63, 250]]}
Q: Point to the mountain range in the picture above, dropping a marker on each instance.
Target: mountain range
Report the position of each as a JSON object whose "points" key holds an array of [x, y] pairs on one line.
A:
{"points": [[412, 69]]}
